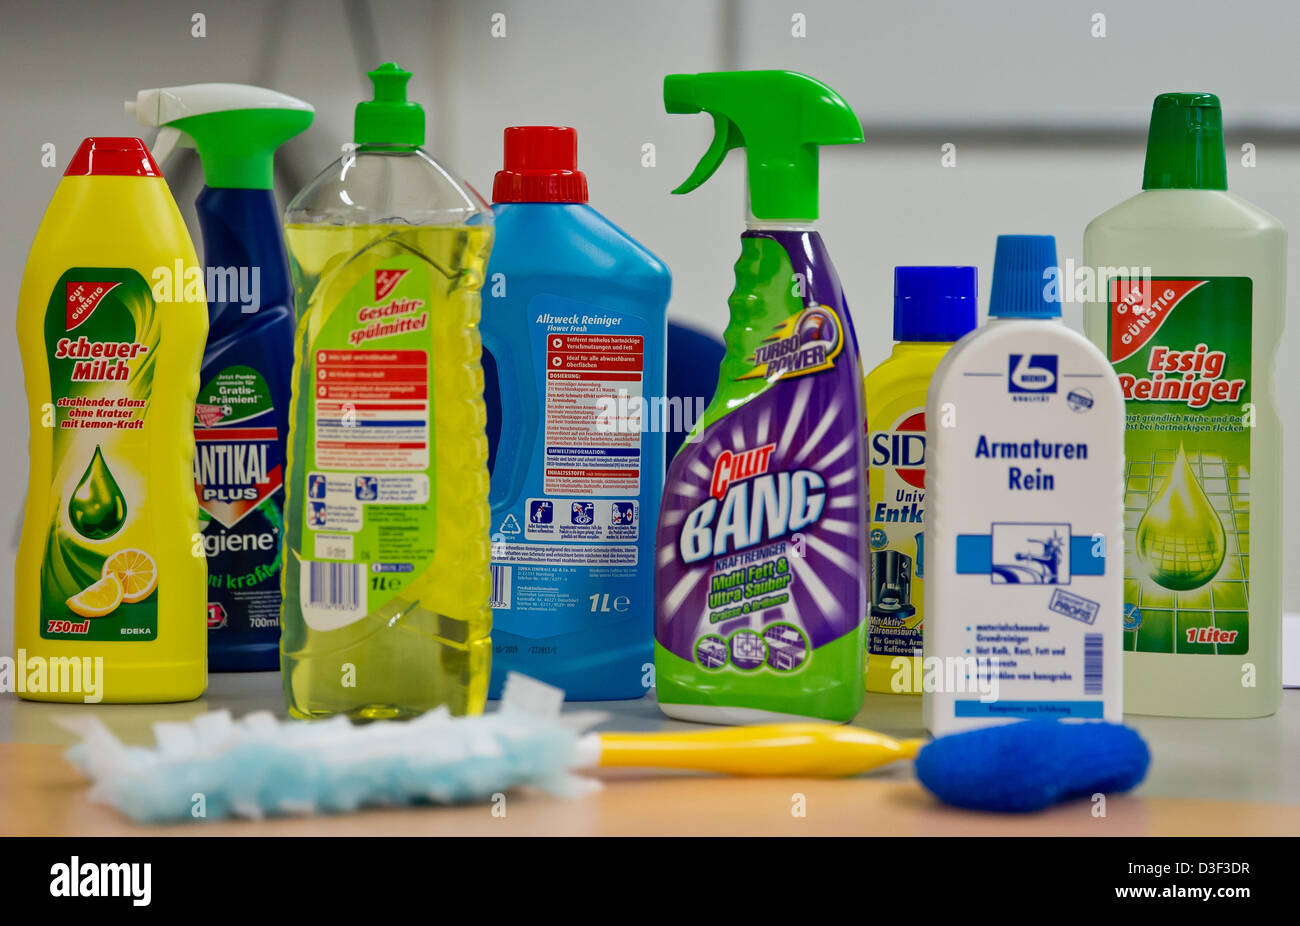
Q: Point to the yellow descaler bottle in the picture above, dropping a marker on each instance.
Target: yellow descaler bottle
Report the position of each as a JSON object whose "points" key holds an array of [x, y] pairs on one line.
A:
{"points": [[933, 307], [386, 564], [110, 585]]}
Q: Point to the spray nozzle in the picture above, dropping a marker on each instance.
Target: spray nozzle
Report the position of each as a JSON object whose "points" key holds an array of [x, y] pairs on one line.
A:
{"points": [[235, 127], [780, 118]]}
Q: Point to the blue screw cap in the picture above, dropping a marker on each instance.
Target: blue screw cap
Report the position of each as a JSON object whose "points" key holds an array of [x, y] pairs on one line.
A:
{"points": [[934, 303], [1021, 278]]}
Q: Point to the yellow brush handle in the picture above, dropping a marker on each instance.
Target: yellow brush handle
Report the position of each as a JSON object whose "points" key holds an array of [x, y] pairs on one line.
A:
{"points": [[822, 750]]}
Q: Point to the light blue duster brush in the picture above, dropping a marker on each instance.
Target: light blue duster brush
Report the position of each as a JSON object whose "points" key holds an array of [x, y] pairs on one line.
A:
{"points": [[259, 766]]}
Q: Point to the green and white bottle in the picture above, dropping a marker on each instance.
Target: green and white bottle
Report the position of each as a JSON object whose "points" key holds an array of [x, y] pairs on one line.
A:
{"points": [[1189, 309]]}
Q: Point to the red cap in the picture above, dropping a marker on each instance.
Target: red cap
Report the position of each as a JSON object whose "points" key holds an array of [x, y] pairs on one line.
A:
{"points": [[112, 157], [541, 167]]}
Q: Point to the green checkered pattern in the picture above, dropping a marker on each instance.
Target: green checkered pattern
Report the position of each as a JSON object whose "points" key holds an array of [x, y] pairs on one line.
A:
{"points": [[1221, 602]]}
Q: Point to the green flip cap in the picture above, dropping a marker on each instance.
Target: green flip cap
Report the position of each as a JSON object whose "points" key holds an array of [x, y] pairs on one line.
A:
{"points": [[780, 118], [390, 120]]}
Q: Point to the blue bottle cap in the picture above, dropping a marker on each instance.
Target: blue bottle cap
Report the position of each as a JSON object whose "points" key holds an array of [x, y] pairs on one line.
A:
{"points": [[1020, 278], [934, 303]]}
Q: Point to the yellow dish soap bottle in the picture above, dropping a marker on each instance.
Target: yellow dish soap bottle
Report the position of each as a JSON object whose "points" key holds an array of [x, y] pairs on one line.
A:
{"points": [[386, 566], [111, 580], [933, 307]]}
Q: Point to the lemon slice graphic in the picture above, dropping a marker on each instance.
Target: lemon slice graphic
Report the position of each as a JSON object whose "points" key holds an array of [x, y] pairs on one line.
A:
{"points": [[137, 572], [99, 599]]}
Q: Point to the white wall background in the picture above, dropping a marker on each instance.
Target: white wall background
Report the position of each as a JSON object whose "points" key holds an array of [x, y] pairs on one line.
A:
{"points": [[1049, 122]]}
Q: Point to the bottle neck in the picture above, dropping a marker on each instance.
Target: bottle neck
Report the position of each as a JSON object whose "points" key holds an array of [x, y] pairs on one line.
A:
{"points": [[753, 224], [1009, 319], [920, 348]]}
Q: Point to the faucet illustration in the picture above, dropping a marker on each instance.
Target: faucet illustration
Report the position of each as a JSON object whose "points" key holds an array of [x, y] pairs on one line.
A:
{"points": [[1049, 561]]}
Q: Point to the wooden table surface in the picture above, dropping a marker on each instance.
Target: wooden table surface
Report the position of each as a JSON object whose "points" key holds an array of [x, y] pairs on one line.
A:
{"points": [[1208, 778], [41, 794]]}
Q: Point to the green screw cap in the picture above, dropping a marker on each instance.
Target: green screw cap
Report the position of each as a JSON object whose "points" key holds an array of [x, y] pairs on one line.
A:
{"points": [[1185, 144], [389, 120]]}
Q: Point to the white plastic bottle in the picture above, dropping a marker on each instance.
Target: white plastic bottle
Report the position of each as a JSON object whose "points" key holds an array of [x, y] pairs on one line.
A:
{"points": [[1189, 309], [1024, 429]]}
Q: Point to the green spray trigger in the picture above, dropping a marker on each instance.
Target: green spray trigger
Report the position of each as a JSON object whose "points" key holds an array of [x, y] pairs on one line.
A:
{"points": [[725, 137], [780, 118]]}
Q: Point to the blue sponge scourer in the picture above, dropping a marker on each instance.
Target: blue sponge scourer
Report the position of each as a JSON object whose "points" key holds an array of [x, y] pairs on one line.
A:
{"points": [[1032, 764]]}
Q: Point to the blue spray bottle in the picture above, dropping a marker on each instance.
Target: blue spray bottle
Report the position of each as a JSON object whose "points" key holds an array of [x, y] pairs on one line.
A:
{"points": [[242, 412], [574, 328]]}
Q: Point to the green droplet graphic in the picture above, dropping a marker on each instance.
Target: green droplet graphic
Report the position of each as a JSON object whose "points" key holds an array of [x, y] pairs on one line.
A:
{"points": [[1180, 537], [97, 508]]}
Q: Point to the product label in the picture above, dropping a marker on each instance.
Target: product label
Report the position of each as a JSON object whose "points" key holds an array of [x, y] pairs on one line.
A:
{"points": [[1024, 535], [369, 515], [588, 453], [805, 343], [99, 579], [747, 536], [1182, 350], [897, 485], [568, 555], [239, 476], [761, 540]]}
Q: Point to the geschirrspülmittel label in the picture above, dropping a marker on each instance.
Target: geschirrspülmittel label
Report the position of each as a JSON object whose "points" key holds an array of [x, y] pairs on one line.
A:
{"points": [[1181, 349], [370, 522], [98, 579]]}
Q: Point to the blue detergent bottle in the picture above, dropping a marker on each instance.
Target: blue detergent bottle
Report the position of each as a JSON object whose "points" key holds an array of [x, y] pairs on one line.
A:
{"points": [[574, 331], [241, 416]]}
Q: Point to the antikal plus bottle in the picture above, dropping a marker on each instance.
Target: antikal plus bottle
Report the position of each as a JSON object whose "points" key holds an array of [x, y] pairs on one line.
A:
{"points": [[241, 418], [386, 565], [761, 546], [1189, 311]]}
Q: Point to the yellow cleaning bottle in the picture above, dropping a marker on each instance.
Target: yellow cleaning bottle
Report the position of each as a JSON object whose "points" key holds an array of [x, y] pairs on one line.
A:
{"points": [[386, 564], [111, 582], [933, 307]]}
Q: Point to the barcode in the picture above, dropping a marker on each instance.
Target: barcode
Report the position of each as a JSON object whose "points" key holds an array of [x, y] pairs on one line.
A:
{"points": [[335, 586], [501, 576], [1092, 663]]}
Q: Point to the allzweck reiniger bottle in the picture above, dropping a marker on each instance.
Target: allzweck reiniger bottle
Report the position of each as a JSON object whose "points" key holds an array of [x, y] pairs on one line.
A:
{"points": [[1189, 310], [575, 323], [386, 580]]}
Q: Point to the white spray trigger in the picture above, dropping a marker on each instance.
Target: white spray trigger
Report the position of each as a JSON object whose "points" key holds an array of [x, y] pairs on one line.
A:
{"points": [[168, 140]]}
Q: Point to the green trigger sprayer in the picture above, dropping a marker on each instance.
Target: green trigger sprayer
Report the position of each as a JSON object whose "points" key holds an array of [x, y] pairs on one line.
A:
{"points": [[780, 118], [761, 592]]}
